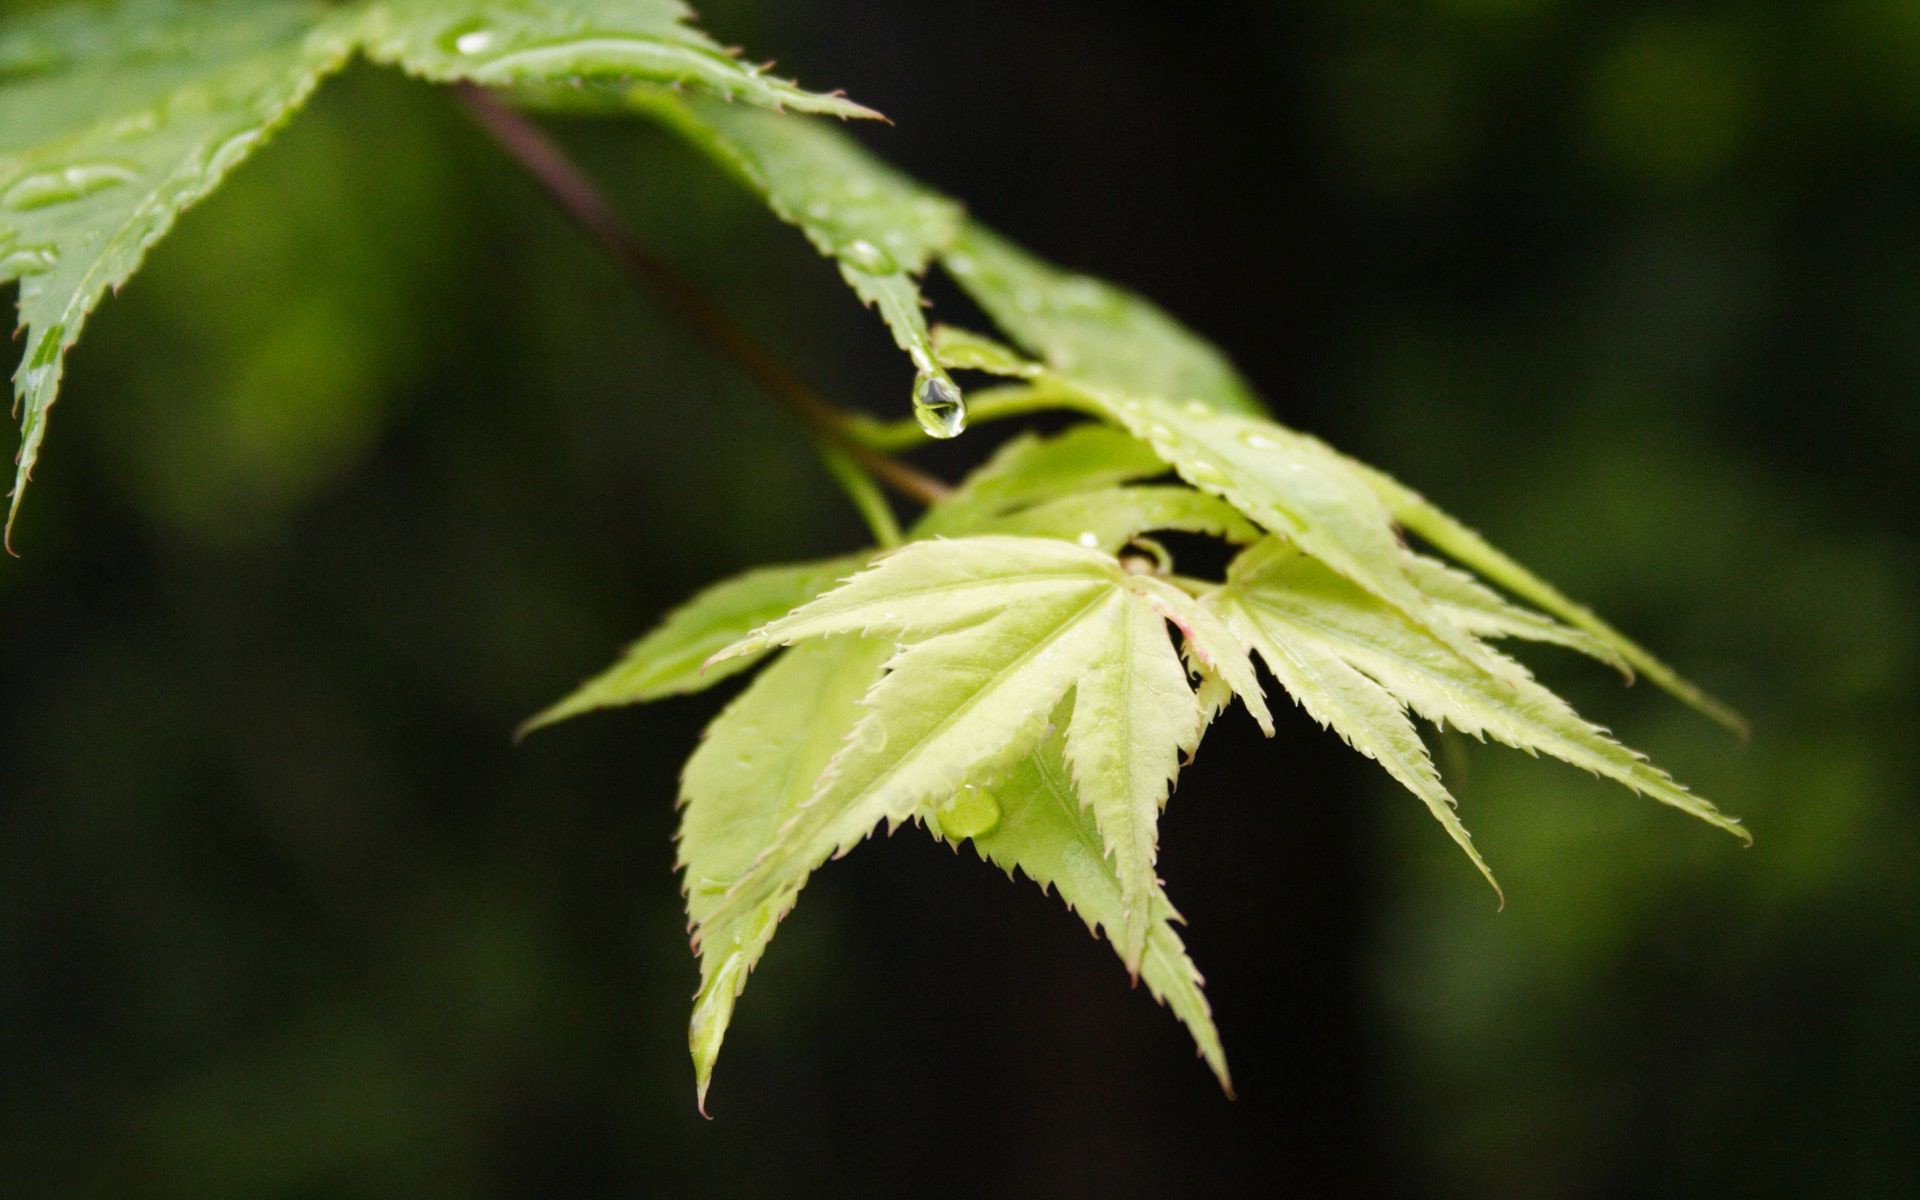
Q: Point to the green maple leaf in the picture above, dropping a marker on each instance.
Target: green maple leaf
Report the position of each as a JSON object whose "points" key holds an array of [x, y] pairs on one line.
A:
{"points": [[996, 630], [1044, 832], [672, 659], [1358, 665]]}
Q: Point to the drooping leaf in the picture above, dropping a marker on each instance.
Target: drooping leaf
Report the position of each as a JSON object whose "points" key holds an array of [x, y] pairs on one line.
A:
{"points": [[113, 119], [996, 630], [1046, 833], [879, 226], [754, 768], [1295, 610], [601, 43], [670, 660]]}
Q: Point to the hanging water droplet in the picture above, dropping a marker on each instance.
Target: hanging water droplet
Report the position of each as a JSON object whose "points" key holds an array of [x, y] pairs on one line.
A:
{"points": [[970, 812], [45, 188], [863, 255], [939, 406], [1258, 440]]}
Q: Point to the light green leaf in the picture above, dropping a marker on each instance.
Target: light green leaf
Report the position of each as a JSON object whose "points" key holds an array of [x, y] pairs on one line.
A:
{"points": [[1481, 611], [1108, 518], [1031, 469], [670, 660], [1364, 714], [753, 770], [1134, 718], [1092, 331], [1045, 833], [113, 119], [1292, 606], [1457, 541], [587, 42], [1288, 483], [998, 630]]}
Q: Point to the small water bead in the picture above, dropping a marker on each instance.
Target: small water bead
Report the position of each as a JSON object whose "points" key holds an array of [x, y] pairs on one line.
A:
{"points": [[863, 255], [46, 188], [1089, 539], [939, 406], [1259, 441], [1198, 408], [970, 812]]}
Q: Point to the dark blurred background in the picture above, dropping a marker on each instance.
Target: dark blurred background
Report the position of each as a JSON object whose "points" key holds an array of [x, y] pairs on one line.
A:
{"points": [[377, 457]]}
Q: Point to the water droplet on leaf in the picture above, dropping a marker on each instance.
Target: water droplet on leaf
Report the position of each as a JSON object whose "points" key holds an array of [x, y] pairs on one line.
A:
{"points": [[939, 406], [970, 812], [1257, 440], [865, 256]]}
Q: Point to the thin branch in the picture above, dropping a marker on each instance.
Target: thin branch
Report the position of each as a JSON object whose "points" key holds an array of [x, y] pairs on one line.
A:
{"points": [[577, 196]]}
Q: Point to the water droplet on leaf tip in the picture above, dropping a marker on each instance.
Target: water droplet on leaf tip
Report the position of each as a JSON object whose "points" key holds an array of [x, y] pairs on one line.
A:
{"points": [[939, 406], [970, 812]]}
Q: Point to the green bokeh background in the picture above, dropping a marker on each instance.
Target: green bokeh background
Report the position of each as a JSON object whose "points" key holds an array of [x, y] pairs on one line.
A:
{"points": [[376, 457]]}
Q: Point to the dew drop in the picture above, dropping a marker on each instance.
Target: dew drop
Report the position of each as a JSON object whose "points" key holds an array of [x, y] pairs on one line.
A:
{"points": [[961, 264], [46, 188], [939, 406], [970, 812], [1258, 440], [863, 255], [1089, 539], [1198, 408]]}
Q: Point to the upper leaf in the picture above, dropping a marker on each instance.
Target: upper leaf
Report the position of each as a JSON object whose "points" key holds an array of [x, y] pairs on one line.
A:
{"points": [[580, 42], [114, 119]]}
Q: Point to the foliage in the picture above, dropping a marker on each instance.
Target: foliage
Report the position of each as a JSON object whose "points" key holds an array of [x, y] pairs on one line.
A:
{"points": [[1030, 670]]}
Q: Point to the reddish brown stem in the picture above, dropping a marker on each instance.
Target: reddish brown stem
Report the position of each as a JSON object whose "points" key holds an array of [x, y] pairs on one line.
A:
{"points": [[575, 195]]}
